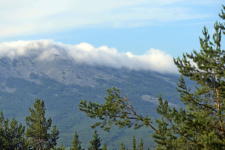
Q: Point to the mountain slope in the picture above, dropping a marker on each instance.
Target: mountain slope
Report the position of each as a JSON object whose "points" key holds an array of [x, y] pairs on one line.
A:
{"points": [[62, 82]]}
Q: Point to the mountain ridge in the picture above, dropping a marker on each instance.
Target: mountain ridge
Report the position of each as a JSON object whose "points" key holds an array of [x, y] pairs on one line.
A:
{"points": [[63, 82]]}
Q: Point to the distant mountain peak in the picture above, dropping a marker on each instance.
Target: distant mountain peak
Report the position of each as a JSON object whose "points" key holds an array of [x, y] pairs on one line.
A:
{"points": [[84, 53]]}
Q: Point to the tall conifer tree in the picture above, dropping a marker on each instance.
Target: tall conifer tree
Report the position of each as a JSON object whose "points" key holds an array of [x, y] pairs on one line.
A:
{"points": [[76, 143], [134, 143], [201, 125], [12, 134], [38, 126], [122, 146], [104, 147], [141, 145], [95, 143]]}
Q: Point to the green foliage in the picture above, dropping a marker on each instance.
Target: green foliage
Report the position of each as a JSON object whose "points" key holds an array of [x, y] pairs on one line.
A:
{"points": [[13, 137], [201, 125], [117, 110], [76, 143], [141, 145], [104, 147], [11, 134], [122, 146], [53, 137], [38, 126], [134, 144], [95, 143], [62, 147]]}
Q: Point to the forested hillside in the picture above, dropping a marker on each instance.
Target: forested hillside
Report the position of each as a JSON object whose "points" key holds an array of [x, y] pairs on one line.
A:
{"points": [[62, 84]]}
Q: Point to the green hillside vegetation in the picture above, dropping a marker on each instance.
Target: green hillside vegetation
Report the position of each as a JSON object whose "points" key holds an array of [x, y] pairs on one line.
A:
{"points": [[62, 102], [37, 136], [14, 137]]}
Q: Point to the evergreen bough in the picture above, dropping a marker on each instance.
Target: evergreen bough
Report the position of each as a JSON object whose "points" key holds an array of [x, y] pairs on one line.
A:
{"points": [[201, 124]]}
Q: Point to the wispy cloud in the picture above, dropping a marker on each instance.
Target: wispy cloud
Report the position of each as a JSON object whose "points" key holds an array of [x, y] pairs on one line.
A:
{"points": [[152, 60], [26, 17]]}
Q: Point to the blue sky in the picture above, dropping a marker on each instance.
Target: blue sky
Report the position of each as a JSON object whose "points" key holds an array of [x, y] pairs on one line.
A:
{"points": [[172, 26]]}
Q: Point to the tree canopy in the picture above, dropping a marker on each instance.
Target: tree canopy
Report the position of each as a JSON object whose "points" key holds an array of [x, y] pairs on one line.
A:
{"points": [[95, 143], [38, 126], [12, 134], [201, 124], [76, 143]]}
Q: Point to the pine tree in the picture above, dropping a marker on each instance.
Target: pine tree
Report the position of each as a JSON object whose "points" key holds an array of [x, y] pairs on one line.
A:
{"points": [[95, 143], [141, 145], [1, 129], [52, 138], [12, 134], [16, 133], [62, 147], [201, 125], [122, 146], [38, 126], [117, 110], [104, 147], [76, 143], [134, 144]]}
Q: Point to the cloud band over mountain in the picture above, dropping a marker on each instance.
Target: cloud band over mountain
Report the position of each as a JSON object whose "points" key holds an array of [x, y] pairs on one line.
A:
{"points": [[42, 50]]}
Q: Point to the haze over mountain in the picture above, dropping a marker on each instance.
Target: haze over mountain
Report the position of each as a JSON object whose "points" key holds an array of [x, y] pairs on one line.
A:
{"points": [[62, 75]]}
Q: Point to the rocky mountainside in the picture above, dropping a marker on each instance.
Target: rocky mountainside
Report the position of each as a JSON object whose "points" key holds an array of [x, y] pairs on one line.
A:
{"points": [[62, 82]]}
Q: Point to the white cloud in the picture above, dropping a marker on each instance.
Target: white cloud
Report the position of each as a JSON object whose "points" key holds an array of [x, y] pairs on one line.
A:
{"points": [[152, 60], [27, 17]]}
